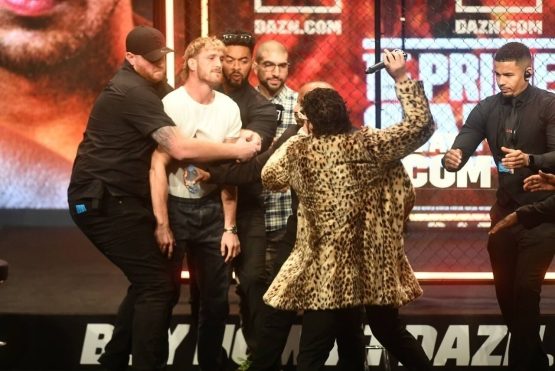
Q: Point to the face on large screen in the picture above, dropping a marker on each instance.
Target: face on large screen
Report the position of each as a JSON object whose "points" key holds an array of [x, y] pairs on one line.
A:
{"points": [[55, 57], [36, 35], [450, 45]]}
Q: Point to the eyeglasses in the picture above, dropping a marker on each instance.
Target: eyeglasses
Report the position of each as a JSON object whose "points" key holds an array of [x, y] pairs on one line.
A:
{"points": [[271, 66], [244, 38]]}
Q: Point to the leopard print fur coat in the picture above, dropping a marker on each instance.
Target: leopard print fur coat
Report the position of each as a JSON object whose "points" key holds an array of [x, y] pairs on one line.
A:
{"points": [[354, 196]]}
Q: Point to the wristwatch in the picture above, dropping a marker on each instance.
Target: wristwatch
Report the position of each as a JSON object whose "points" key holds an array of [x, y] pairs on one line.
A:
{"points": [[232, 229], [530, 160]]}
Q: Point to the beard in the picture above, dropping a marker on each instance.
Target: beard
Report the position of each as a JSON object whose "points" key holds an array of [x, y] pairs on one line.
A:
{"points": [[70, 67], [234, 82], [273, 90], [39, 57], [35, 46]]}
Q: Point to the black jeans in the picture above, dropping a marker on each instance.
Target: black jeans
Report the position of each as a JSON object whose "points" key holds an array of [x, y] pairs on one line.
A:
{"points": [[519, 259], [197, 225], [124, 233], [249, 267]]}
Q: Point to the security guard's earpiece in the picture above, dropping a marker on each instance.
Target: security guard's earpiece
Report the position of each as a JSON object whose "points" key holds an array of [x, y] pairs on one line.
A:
{"points": [[528, 73]]}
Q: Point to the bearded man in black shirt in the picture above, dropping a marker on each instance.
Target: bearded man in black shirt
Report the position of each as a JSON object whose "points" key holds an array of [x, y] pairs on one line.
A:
{"points": [[519, 125], [109, 196], [259, 118]]}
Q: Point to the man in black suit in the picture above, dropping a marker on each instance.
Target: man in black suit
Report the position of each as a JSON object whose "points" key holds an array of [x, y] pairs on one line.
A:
{"points": [[519, 125]]}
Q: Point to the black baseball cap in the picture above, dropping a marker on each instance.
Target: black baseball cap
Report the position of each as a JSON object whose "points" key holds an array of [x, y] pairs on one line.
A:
{"points": [[147, 42]]}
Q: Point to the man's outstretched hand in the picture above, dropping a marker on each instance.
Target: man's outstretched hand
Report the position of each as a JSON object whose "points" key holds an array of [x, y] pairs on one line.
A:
{"points": [[540, 182]]}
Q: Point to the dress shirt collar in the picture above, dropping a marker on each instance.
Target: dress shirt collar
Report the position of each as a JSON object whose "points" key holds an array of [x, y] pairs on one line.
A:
{"points": [[520, 99], [282, 96]]}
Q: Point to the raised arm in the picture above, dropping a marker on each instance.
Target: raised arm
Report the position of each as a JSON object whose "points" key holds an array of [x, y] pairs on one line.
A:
{"points": [[417, 127]]}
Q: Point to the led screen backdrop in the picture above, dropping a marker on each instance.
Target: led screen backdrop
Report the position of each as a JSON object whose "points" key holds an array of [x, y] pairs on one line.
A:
{"points": [[450, 46]]}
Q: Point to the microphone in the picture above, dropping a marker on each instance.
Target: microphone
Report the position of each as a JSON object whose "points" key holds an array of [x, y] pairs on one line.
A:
{"points": [[378, 66]]}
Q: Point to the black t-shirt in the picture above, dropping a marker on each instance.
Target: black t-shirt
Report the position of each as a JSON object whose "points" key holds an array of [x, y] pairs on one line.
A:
{"points": [[117, 145], [259, 115]]}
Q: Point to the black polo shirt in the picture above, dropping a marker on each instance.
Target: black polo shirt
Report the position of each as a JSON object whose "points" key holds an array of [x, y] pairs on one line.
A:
{"points": [[117, 145]]}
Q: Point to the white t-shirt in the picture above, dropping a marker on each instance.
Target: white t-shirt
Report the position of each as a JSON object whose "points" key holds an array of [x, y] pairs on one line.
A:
{"points": [[216, 121]]}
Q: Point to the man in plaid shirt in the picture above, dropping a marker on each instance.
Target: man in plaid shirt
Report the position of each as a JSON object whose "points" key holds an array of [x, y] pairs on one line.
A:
{"points": [[271, 66]]}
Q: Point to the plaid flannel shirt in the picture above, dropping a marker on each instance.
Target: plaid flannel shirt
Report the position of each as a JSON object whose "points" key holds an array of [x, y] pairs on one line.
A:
{"points": [[278, 204]]}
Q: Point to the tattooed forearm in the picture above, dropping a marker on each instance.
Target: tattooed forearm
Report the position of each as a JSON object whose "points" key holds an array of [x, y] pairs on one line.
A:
{"points": [[163, 136]]}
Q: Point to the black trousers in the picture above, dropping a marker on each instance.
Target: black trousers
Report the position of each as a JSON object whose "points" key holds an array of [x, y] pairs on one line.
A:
{"points": [[275, 324], [320, 330], [519, 259], [387, 327], [322, 327], [272, 338], [124, 233], [249, 267]]}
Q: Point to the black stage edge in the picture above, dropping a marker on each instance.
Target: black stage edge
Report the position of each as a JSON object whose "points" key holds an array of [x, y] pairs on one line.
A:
{"points": [[58, 303], [66, 342]]}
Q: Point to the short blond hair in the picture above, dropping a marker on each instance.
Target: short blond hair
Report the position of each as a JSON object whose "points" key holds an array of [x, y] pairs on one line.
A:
{"points": [[195, 47]]}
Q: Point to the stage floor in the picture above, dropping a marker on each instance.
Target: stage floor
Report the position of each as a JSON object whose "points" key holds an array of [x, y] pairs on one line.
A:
{"points": [[58, 304], [56, 270]]}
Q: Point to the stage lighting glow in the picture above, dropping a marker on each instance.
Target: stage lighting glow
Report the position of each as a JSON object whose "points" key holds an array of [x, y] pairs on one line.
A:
{"points": [[449, 217], [430, 277], [465, 277], [170, 41]]}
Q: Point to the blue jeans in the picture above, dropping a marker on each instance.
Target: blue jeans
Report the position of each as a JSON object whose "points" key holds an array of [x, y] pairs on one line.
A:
{"points": [[197, 225]]}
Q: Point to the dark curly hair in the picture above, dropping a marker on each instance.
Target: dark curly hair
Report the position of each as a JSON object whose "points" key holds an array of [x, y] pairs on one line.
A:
{"points": [[513, 51], [327, 112]]}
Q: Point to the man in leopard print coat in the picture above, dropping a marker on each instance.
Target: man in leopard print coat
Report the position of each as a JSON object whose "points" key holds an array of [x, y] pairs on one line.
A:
{"points": [[349, 250]]}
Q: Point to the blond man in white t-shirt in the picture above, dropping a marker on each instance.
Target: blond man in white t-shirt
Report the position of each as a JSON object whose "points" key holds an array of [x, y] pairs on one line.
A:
{"points": [[198, 219]]}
